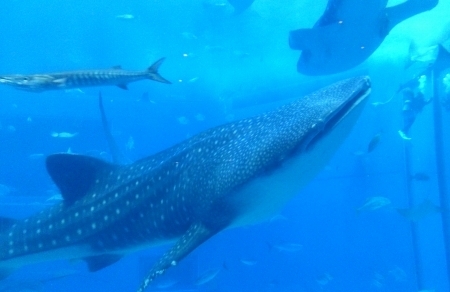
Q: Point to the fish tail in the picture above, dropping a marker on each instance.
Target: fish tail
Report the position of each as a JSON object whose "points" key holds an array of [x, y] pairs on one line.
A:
{"points": [[153, 72]]}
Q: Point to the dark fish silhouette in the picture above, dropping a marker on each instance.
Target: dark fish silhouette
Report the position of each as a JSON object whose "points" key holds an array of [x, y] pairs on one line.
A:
{"points": [[231, 175], [420, 176], [75, 79], [419, 212], [373, 142], [349, 32]]}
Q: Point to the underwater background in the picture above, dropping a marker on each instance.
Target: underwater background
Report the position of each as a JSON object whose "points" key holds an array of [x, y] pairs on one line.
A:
{"points": [[225, 67]]}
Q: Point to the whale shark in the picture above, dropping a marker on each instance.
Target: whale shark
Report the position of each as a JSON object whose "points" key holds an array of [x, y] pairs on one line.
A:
{"points": [[349, 32], [82, 78], [231, 175]]}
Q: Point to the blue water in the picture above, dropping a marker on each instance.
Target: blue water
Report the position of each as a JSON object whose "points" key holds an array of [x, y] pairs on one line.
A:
{"points": [[223, 67]]}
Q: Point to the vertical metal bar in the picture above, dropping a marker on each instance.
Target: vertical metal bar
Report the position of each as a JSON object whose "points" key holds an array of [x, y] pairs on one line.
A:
{"points": [[440, 167], [413, 225]]}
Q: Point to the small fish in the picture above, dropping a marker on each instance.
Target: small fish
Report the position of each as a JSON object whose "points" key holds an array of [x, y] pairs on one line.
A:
{"points": [[63, 135], [183, 120], [378, 103], [373, 142], [74, 91], [130, 143], [374, 203], [167, 283], [324, 279], [248, 262], [144, 97], [125, 16], [200, 117], [189, 35], [189, 55], [207, 276], [35, 156], [277, 218], [56, 197], [192, 80], [417, 213], [398, 274], [287, 247], [420, 176]]}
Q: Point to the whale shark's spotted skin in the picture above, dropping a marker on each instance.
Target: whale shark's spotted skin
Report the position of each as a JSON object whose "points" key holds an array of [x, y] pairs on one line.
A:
{"points": [[227, 176]]}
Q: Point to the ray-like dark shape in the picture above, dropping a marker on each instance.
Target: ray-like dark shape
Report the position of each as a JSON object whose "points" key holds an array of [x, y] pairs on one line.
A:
{"points": [[349, 32]]}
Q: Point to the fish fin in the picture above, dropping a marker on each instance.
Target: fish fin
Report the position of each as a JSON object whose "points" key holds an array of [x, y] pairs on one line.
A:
{"points": [[117, 67], [153, 72], [116, 154], [75, 174], [5, 272], [96, 263], [60, 81], [195, 235], [6, 223], [442, 59], [240, 5], [398, 13], [123, 86]]}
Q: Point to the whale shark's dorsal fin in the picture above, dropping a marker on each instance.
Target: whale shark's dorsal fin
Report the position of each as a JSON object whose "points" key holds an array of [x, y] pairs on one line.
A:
{"points": [[75, 174], [191, 239]]}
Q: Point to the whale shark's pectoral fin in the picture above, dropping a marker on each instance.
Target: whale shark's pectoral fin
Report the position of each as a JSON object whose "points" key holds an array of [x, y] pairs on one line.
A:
{"points": [[96, 263], [194, 236]]}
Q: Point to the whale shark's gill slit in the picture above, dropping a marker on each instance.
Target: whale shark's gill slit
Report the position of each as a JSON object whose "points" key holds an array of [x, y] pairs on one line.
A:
{"points": [[336, 118], [192, 238]]}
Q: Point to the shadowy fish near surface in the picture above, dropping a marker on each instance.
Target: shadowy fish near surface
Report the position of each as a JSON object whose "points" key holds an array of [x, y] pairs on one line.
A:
{"points": [[374, 203], [373, 142], [231, 175], [288, 247], [417, 213], [63, 134], [420, 176], [84, 78], [209, 275], [349, 32]]}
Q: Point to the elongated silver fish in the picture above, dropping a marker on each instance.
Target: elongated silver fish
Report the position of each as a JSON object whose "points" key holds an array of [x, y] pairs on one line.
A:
{"points": [[235, 174], [83, 78]]}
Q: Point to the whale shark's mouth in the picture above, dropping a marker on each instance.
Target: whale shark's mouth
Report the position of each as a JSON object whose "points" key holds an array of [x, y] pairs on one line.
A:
{"points": [[356, 99], [339, 114]]}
